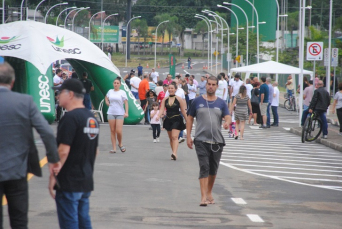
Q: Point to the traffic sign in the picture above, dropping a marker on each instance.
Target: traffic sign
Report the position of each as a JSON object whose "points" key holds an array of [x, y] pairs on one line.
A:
{"points": [[314, 51], [334, 57], [326, 57]]}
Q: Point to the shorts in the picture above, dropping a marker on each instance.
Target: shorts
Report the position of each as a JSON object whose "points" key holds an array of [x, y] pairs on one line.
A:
{"points": [[209, 156], [117, 117], [263, 108]]}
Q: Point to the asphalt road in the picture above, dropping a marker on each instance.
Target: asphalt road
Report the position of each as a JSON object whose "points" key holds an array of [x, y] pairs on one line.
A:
{"points": [[269, 180]]}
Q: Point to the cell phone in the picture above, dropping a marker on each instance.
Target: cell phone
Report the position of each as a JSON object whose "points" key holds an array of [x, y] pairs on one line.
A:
{"points": [[57, 182]]}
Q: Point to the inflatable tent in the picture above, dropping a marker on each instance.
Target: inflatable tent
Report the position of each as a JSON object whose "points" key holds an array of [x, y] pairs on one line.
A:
{"points": [[31, 47]]}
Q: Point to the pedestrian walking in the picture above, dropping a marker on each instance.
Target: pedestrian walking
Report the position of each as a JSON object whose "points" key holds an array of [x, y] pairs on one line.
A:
{"points": [[337, 105], [263, 99], [192, 89], [88, 85], [116, 99], [275, 104], [140, 70], [18, 152], [256, 104], [154, 75], [143, 89], [209, 141], [77, 139], [189, 62], [135, 81], [173, 123], [270, 98], [243, 103], [154, 123], [151, 97], [202, 85]]}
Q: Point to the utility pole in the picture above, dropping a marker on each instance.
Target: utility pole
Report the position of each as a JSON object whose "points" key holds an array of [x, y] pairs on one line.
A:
{"points": [[128, 28]]}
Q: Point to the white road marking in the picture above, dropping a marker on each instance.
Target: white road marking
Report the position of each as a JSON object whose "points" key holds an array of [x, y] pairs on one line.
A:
{"points": [[270, 156], [186, 72], [314, 179], [238, 200], [310, 174], [272, 153], [266, 159], [255, 218], [286, 128]]}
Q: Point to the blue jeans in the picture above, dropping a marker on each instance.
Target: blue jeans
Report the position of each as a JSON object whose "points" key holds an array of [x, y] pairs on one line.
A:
{"points": [[268, 122], [275, 115], [289, 93], [304, 115], [321, 114], [135, 94], [189, 64], [86, 101], [73, 210]]}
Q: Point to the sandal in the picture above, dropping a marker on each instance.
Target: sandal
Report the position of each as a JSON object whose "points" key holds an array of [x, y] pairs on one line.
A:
{"points": [[204, 204], [173, 157], [122, 148], [210, 201], [112, 151]]}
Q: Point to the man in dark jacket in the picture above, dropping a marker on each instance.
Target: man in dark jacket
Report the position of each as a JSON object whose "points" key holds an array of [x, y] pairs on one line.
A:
{"points": [[320, 103]]}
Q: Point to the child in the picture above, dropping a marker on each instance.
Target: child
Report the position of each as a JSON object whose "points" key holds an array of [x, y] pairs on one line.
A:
{"points": [[232, 130], [151, 97], [154, 123]]}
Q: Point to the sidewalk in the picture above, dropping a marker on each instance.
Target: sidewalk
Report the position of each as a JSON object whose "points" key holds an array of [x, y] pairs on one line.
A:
{"points": [[333, 141]]}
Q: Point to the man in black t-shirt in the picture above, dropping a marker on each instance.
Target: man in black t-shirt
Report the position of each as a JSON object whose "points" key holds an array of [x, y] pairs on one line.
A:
{"points": [[77, 139], [88, 85]]}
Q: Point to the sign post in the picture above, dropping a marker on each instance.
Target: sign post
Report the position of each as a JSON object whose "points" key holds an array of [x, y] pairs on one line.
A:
{"points": [[334, 63], [172, 61], [314, 52]]}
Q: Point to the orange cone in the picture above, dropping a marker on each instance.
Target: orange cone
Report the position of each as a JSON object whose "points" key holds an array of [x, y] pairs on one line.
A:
{"points": [[183, 66], [147, 65], [203, 66], [158, 65]]}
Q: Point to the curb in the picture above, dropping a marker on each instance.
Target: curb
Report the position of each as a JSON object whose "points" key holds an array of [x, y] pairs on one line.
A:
{"points": [[325, 142]]}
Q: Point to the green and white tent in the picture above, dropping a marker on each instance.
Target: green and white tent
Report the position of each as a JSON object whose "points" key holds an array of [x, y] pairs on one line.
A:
{"points": [[31, 47]]}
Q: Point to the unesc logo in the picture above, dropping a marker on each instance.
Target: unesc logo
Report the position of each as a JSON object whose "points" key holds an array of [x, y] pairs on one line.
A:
{"points": [[92, 128], [6, 40], [58, 45]]}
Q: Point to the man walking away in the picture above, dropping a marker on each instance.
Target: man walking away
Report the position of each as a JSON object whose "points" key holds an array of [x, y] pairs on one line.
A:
{"points": [[275, 104], [209, 142], [320, 103], [135, 81], [140, 70], [270, 98], [18, 152], [88, 85], [77, 139], [263, 98], [142, 90]]}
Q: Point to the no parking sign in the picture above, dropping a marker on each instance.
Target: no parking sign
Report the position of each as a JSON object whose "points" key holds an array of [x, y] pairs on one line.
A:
{"points": [[314, 51]]}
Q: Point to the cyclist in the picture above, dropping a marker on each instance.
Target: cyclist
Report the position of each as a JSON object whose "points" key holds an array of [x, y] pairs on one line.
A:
{"points": [[320, 103], [289, 87]]}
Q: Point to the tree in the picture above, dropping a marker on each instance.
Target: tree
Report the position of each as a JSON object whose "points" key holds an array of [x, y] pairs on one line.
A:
{"points": [[202, 28], [163, 27], [142, 29]]}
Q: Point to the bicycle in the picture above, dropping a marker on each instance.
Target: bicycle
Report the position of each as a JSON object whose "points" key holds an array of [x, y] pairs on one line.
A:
{"points": [[312, 128], [290, 103]]}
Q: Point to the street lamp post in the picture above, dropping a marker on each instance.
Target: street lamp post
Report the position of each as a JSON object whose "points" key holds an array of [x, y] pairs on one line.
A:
{"points": [[247, 37], [211, 39], [3, 11], [155, 43], [278, 17], [47, 13], [217, 25], [21, 10], [208, 32], [74, 7], [104, 21], [90, 21], [35, 10], [66, 17], [126, 33], [73, 19]]}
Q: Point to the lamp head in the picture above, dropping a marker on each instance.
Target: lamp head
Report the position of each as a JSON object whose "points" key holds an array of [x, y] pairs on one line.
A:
{"points": [[218, 5], [226, 3], [65, 3]]}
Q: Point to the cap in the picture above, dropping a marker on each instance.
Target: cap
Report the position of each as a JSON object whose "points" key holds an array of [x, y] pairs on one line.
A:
{"points": [[187, 75], [71, 85]]}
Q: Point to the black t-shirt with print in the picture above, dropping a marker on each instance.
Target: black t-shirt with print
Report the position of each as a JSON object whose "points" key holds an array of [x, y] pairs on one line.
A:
{"points": [[79, 129], [87, 84]]}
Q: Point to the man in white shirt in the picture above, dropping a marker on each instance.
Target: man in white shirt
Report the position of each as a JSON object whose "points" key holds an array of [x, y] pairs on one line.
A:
{"points": [[221, 89], [236, 84], [154, 75], [135, 81], [249, 88], [57, 80], [275, 104]]}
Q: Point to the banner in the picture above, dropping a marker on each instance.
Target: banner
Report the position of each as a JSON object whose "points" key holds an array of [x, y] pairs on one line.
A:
{"points": [[172, 61], [151, 36], [110, 34]]}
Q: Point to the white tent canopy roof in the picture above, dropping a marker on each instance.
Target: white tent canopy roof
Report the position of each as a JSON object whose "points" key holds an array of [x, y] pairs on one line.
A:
{"points": [[270, 67], [42, 44]]}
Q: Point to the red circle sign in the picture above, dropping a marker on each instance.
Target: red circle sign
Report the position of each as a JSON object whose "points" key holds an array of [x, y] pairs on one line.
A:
{"points": [[315, 49]]}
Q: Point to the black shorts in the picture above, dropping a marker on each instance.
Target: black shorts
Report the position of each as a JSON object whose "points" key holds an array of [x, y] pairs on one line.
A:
{"points": [[209, 156]]}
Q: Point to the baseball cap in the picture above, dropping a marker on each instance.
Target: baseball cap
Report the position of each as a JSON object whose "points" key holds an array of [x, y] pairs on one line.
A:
{"points": [[71, 85]]}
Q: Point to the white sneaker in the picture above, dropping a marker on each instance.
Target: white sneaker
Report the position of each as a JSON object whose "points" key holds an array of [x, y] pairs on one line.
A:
{"points": [[157, 139], [325, 136], [181, 140], [154, 140]]}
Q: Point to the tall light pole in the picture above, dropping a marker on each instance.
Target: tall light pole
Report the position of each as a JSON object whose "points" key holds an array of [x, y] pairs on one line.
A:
{"points": [[247, 37], [127, 33], [208, 32], [35, 10], [104, 21], [217, 25], [155, 43], [66, 17], [47, 13], [74, 7], [21, 10], [211, 38], [73, 19], [278, 17], [3, 11], [90, 21]]}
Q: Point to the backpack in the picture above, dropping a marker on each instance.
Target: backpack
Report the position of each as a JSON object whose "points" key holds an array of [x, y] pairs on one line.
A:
{"points": [[254, 99]]}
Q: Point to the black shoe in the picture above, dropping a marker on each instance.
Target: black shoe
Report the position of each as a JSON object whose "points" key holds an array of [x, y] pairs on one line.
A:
{"points": [[268, 126], [274, 124], [262, 126]]}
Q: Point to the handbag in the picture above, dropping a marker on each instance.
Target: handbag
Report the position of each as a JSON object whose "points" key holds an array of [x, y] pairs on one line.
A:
{"points": [[254, 99]]}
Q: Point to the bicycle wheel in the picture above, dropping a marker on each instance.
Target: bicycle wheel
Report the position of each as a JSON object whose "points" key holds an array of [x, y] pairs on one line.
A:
{"points": [[287, 105], [305, 129], [294, 105], [314, 130]]}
